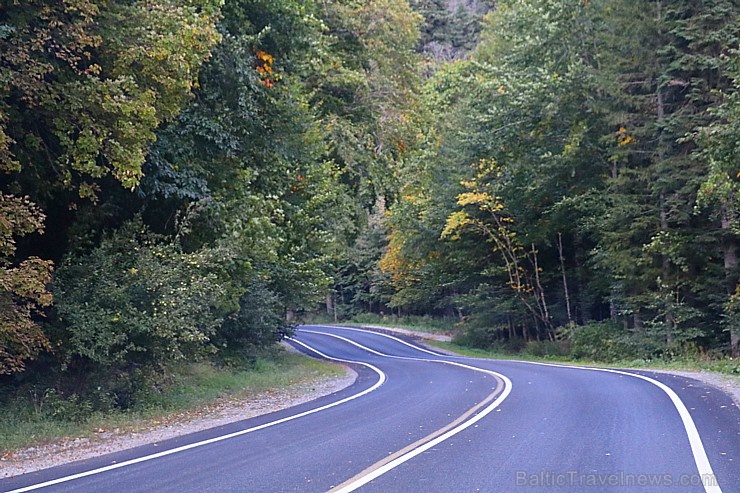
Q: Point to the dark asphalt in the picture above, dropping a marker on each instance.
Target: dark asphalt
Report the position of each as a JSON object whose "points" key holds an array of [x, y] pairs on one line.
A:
{"points": [[559, 429]]}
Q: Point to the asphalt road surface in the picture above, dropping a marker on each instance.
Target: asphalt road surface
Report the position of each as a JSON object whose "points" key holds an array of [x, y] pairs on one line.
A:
{"points": [[418, 421]]}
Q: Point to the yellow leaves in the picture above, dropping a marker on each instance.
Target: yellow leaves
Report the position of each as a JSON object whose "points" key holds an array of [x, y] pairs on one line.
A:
{"points": [[481, 198], [455, 223], [474, 198], [623, 138], [416, 199], [486, 169], [484, 200], [396, 263]]}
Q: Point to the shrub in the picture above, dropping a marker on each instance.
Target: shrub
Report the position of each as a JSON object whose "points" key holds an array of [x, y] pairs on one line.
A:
{"points": [[547, 348], [259, 323], [601, 341], [136, 301]]}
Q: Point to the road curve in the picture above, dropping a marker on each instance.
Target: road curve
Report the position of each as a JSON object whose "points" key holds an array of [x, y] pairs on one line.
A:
{"points": [[419, 421]]}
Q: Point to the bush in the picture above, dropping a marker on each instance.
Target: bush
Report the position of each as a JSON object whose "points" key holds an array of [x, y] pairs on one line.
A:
{"points": [[424, 323], [484, 337], [259, 323], [135, 301], [601, 341], [73, 409], [545, 349]]}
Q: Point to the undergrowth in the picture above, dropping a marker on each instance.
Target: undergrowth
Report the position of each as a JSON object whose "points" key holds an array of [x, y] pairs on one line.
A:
{"points": [[42, 416]]}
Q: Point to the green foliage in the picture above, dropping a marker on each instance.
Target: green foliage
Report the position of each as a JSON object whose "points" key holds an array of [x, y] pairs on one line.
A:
{"points": [[576, 169], [259, 323], [547, 349], [562, 145], [136, 300], [449, 33], [423, 323], [86, 84], [600, 341]]}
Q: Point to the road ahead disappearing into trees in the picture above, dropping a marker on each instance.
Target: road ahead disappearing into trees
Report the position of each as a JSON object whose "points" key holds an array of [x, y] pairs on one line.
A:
{"points": [[420, 421]]}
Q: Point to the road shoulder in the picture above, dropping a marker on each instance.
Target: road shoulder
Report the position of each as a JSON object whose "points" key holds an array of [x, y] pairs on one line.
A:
{"points": [[220, 412]]}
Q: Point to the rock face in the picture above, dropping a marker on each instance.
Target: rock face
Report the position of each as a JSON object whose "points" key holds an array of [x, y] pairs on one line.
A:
{"points": [[451, 27]]}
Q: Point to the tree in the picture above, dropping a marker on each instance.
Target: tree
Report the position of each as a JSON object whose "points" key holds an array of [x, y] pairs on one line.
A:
{"points": [[661, 66], [84, 85], [719, 146], [23, 291]]}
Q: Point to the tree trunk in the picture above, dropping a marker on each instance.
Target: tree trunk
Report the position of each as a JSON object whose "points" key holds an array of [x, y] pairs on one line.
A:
{"points": [[540, 292], [329, 303], [565, 279], [729, 253], [670, 321]]}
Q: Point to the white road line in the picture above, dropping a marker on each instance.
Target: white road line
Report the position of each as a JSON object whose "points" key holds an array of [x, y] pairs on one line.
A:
{"points": [[381, 380], [709, 480], [697, 447], [359, 482], [423, 350]]}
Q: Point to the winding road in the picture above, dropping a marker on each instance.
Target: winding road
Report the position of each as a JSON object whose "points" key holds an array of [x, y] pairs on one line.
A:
{"points": [[419, 421]]}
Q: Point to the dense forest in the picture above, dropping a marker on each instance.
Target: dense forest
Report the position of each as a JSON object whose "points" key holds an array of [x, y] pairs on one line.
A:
{"points": [[184, 180]]}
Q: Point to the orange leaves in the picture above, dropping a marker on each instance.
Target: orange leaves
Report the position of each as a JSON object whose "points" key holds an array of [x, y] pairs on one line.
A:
{"points": [[298, 186], [264, 68], [266, 58]]}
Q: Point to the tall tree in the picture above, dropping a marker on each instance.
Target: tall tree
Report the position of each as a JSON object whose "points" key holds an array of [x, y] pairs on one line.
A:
{"points": [[84, 84]]}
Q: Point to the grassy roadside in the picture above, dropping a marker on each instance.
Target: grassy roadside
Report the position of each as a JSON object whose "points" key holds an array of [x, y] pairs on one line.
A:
{"points": [[430, 325], [192, 387], [725, 367]]}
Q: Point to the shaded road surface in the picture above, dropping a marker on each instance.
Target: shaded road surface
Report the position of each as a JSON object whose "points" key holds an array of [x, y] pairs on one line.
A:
{"points": [[417, 421]]}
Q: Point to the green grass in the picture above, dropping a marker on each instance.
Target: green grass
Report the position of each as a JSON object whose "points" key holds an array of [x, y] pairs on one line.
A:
{"points": [[423, 324], [191, 387]]}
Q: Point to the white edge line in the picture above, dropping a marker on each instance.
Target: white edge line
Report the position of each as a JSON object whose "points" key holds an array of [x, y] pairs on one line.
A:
{"points": [[381, 380], [428, 445], [418, 348], [697, 447]]}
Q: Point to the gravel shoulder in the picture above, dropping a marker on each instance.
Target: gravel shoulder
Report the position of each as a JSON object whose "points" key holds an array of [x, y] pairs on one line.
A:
{"points": [[728, 384], [217, 413]]}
